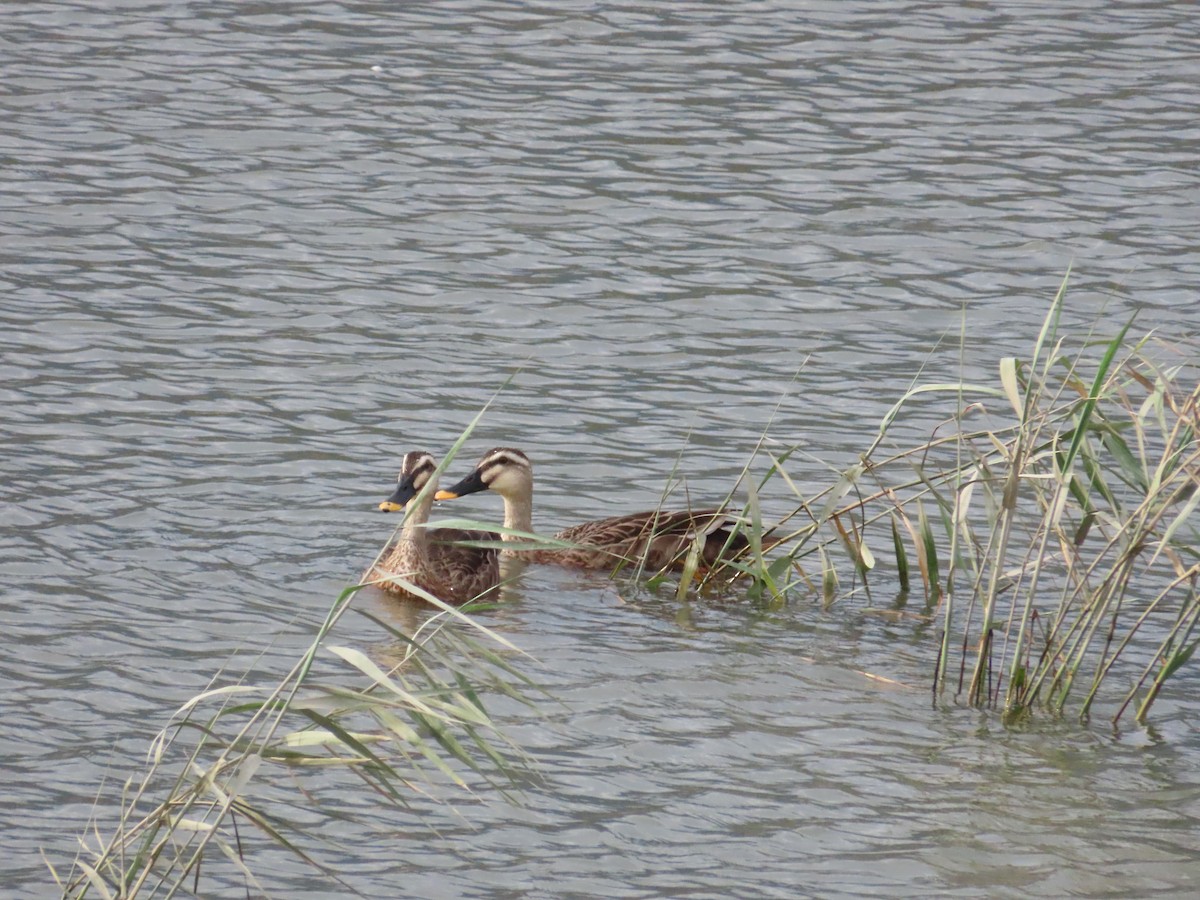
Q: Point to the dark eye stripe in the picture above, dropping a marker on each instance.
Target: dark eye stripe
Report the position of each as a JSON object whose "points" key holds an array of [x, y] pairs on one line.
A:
{"points": [[502, 456], [421, 465]]}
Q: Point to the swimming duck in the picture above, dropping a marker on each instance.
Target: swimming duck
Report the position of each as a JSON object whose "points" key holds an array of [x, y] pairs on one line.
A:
{"points": [[434, 559], [657, 539]]}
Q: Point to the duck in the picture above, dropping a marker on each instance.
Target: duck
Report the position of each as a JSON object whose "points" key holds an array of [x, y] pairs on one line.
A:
{"points": [[434, 559], [656, 540]]}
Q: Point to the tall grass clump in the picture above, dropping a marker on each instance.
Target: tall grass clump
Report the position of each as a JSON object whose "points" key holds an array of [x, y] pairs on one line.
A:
{"points": [[1070, 530], [398, 726], [1050, 518]]}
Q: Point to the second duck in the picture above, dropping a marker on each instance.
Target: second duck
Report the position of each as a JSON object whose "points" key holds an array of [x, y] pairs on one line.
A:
{"points": [[657, 539]]}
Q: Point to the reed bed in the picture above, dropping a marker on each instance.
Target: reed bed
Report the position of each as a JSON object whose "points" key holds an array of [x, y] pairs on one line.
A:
{"points": [[1048, 521]]}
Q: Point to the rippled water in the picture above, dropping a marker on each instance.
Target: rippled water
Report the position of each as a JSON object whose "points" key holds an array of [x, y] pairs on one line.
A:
{"points": [[254, 252]]}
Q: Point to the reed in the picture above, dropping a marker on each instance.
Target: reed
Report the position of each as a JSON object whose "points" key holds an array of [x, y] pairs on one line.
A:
{"points": [[417, 718], [1050, 516]]}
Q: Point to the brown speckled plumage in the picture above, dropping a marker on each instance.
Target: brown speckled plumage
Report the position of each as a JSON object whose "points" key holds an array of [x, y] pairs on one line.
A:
{"points": [[432, 558], [657, 540]]}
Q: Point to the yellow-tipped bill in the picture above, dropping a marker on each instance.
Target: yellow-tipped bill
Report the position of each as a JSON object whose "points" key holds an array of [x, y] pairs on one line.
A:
{"points": [[469, 485]]}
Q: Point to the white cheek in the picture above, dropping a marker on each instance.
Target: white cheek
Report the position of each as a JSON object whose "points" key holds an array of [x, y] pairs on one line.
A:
{"points": [[503, 483]]}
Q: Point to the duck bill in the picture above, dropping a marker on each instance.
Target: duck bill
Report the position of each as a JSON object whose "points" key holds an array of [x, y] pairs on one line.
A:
{"points": [[398, 500], [472, 484]]}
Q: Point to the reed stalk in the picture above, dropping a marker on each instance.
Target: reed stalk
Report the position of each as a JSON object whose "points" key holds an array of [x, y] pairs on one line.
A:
{"points": [[1059, 540]]}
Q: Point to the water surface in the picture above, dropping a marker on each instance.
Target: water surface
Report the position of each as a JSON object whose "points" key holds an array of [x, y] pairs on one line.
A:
{"points": [[254, 253]]}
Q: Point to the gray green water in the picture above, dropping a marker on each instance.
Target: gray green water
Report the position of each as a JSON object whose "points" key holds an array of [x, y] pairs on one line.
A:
{"points": [[252, 253]]}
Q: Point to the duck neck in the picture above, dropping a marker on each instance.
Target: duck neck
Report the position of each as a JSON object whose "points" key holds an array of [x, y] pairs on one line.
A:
{"points": [[411, 546], [518, 514]]}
